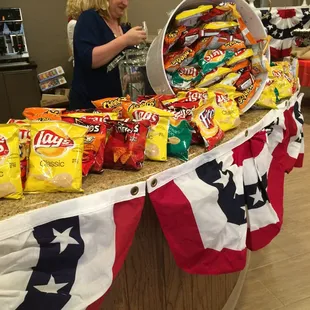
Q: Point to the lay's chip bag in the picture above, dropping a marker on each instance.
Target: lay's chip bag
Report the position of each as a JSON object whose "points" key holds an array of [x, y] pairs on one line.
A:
{"points": [[226, 110], [156, 143], [55, 160], [268, 98], [10, 175]]}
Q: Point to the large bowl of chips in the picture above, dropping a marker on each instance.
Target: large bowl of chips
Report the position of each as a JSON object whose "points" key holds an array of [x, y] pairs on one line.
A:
{"points": [[156, 71]]}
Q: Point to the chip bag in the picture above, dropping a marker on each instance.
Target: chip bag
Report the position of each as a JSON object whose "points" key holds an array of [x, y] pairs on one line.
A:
{"points": [[172, 37], [189, 18], [126, 145], [233, 46], [231, 79], [179, 140], [173, 61], [240, 56], [224, 11], [247, 95], [284, 83], [241, 66], [213, 76], [156, 143], [183, 78], [214, 59], [189, 37], [248, 37], [43, 114], [226, 110], [10, 174], [24, 146], [212, 134], [109, 104], [268, 98], [55, 160], [245, 81], [220, 25], [95, 139]]}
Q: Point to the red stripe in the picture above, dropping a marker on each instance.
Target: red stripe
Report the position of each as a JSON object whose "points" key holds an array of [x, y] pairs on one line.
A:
{"points": [[178, 223], [127, 215], [277, 54]]}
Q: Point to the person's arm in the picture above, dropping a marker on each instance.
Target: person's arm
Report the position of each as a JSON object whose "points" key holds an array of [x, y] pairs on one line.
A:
{"points": [[103, 54]]}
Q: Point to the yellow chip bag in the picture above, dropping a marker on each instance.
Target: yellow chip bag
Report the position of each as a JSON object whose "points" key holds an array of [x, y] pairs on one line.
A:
{"points": [[226, 110], [284, 82], [156, 143], [190, 18], [240, 55], [213, 76], [10, 175], [268, 97], [231, 79], [220, 25], [55, 160]]}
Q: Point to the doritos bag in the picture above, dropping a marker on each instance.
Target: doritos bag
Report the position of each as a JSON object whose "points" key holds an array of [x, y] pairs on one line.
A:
{"points": [[10, 176], [55, 160], [94, 142], [126, 145]]}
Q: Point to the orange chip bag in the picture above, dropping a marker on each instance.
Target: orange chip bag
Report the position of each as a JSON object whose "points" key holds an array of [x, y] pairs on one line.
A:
{"points": [[55, 160], [109, 104], [10, 177], [233, 46], [173, 61], [172, 37], [244, 64], [247, 95], [43, 114], [95, 139], [203, 118], [24, 146]]}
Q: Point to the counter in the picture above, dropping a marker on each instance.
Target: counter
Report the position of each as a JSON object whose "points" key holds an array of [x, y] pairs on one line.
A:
{"points": [[149, 278]]}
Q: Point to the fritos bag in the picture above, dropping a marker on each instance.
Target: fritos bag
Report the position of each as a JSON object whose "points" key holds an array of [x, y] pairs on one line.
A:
{"points": [[10, 176], [55, 161], [126, 145], [94, 142], [208, 127], [43, 114], [156, 143], [24, 146]]}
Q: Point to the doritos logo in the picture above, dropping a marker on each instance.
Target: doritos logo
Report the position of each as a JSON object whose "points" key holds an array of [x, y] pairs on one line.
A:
{"points": [[144, 115], [52, 142], [4, 149], [207, 116]]}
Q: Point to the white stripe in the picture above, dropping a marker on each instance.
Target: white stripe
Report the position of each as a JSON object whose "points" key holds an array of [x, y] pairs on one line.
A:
{"points": [[69, 208], [18, 255], [250, 176], [212, 224], [261, 217], [263, 161], [94, 271]]}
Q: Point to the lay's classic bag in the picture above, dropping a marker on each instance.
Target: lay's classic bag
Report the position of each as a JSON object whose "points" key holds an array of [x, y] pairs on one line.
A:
{"points": [[55, 160]]}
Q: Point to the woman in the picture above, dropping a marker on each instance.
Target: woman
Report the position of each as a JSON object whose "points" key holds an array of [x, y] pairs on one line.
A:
{"points": [[98, 38]]}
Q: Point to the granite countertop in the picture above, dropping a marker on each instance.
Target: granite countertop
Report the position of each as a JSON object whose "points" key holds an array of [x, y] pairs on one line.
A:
{"points": [[114, 178]]}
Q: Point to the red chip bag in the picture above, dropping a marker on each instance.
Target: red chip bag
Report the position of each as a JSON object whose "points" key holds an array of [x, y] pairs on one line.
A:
{"points": [[126, 145], [245, 81], [94, 142]]}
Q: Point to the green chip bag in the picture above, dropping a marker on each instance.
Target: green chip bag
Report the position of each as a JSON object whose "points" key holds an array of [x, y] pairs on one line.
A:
{"points": [[179, 140]]}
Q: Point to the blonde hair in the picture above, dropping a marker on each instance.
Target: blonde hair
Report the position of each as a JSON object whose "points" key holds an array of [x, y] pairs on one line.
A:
{"points": [[76, 7]]}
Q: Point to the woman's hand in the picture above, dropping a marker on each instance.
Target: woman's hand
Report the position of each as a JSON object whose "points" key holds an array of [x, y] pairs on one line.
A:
{"points": [[135, 36]]}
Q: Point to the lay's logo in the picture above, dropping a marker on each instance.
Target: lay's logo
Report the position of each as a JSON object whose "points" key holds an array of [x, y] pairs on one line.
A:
{"points": [[52, 142], [4, 149], [214, 54], [144, 115], [221, 98]]}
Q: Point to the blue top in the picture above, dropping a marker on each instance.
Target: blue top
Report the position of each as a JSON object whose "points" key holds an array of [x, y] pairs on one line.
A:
{"points": [[92, 84]]}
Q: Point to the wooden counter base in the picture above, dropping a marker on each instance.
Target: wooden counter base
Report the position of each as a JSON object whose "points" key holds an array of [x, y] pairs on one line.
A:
{"points": [[151, 280]]}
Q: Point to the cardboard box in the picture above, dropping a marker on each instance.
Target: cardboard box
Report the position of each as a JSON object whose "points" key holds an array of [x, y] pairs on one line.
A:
{"points": [[54, 101]]}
